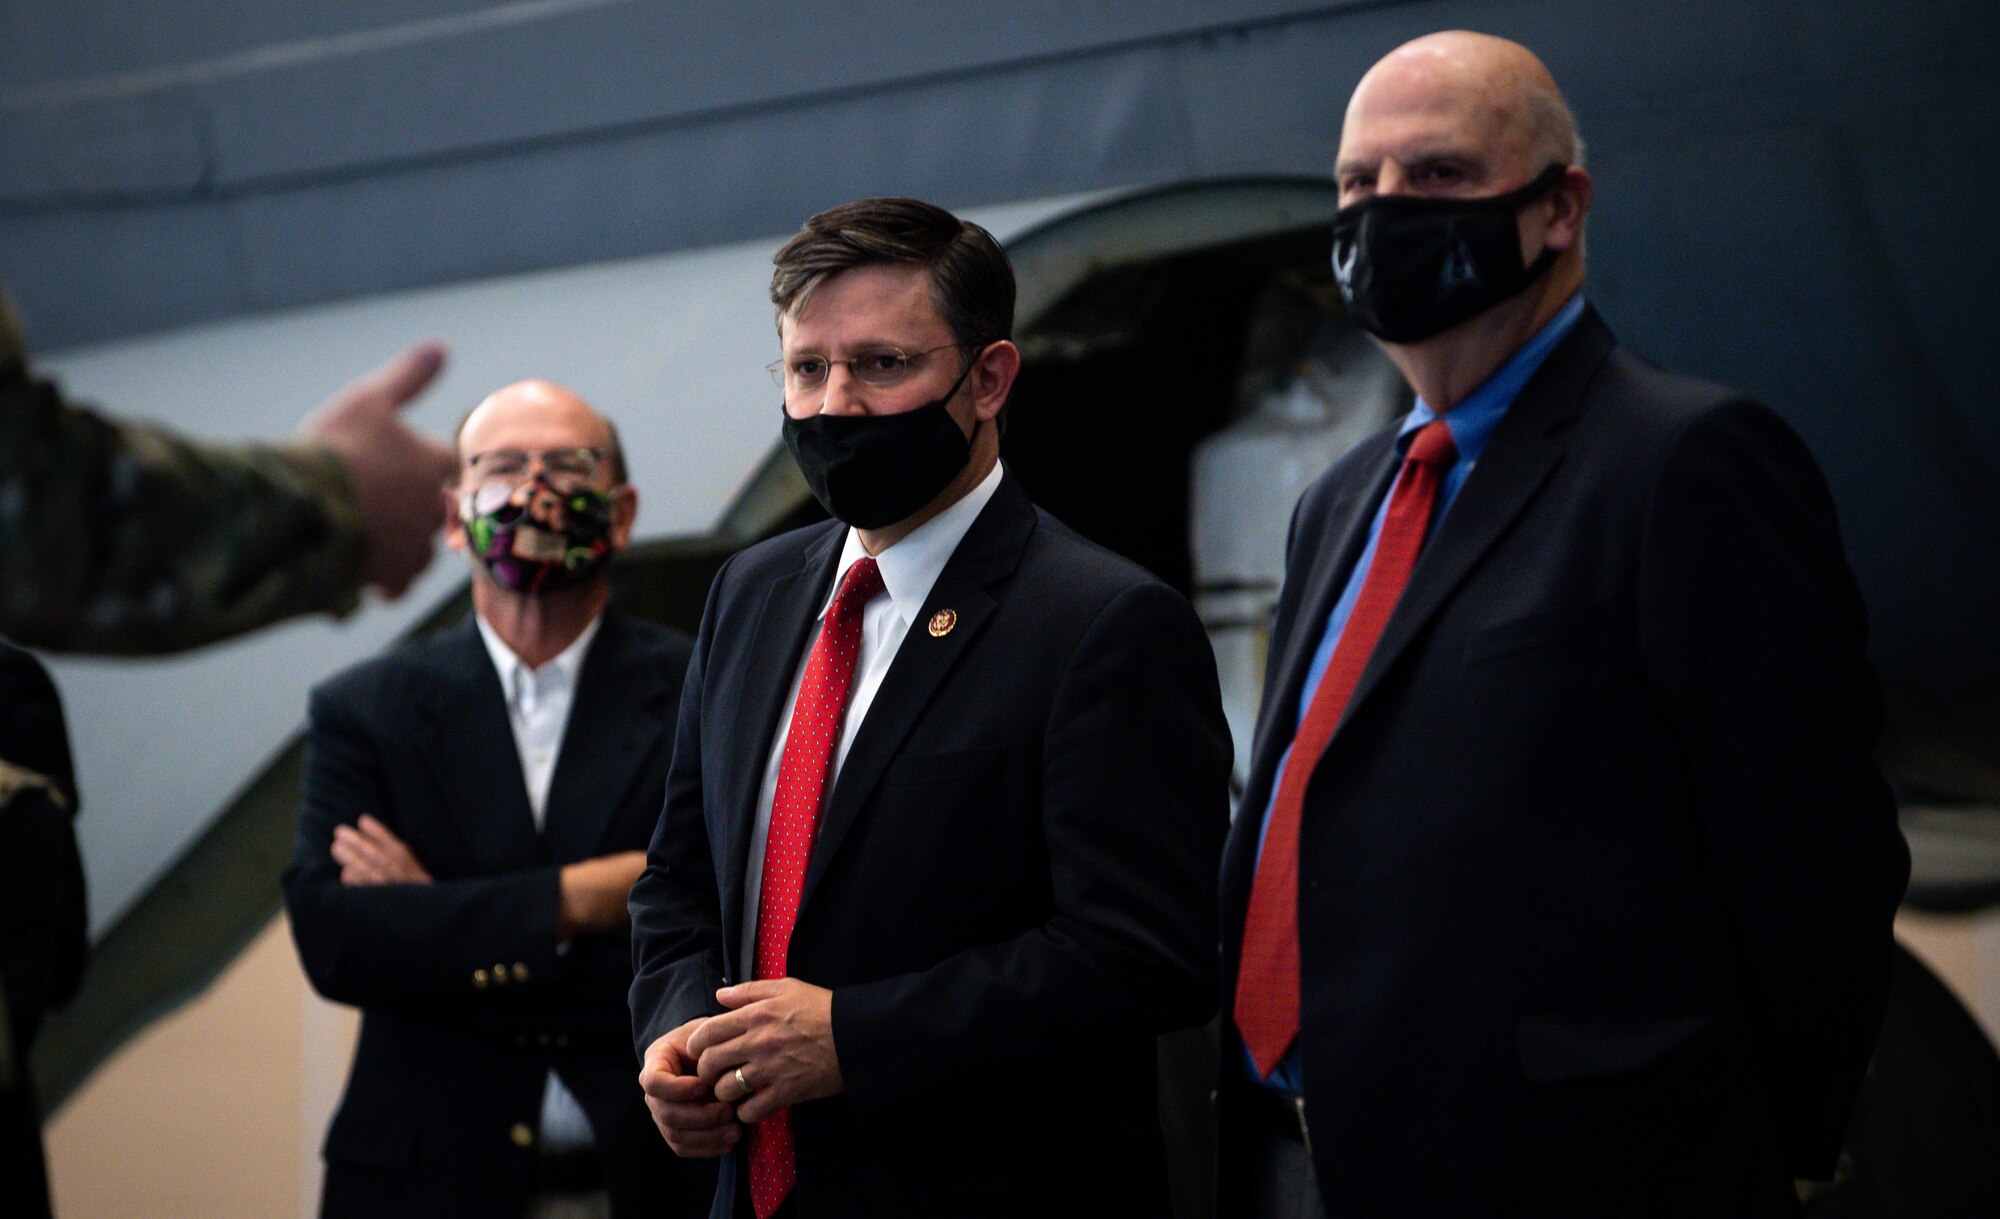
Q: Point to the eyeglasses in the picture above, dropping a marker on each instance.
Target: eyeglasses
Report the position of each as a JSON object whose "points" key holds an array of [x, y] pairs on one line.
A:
{"points": [[499, 471], [880, 367]]}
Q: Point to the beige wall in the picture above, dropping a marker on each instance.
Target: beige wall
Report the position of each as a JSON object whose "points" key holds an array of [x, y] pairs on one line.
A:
{"points": [[216, 1110], [1965, 952]]}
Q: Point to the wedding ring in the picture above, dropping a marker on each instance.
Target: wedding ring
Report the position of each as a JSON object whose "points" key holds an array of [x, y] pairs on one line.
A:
{"points": [[743, 1083]]}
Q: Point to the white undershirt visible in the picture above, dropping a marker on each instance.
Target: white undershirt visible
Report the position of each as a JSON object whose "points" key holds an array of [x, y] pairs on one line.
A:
{"points": [[538, 706], [909, 569]]}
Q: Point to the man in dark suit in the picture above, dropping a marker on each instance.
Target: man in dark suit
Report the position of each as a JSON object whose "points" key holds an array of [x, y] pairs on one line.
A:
{"points": [[948, 792], [1563, 879], [474, 810]]}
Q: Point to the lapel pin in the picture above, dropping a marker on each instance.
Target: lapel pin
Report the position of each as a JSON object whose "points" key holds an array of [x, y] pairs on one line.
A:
{"points": [[942, 622]]}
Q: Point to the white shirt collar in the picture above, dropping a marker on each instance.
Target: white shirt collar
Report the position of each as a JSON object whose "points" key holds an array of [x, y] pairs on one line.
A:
{"points": [[564, 665], [911, 566]]}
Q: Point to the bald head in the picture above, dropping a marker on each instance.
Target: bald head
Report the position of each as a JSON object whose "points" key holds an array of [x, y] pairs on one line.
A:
{"points": [[1436, 103], [535, 416]]}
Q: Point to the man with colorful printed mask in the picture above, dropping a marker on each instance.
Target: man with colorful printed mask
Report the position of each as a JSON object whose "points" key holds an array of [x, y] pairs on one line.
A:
{"points": [[539, 524], [473, 812]]}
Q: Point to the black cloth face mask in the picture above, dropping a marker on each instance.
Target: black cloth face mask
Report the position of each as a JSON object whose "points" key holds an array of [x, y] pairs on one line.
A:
{"points": [[874, 470], [1410, 266]]}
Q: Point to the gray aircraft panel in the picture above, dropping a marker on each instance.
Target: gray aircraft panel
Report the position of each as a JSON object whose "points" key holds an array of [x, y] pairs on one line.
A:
{"points": [[1003, 102]]}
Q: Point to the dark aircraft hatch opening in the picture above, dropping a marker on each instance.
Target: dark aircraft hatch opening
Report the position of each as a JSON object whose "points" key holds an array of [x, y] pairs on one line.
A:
{"points": [[1137, 364]]}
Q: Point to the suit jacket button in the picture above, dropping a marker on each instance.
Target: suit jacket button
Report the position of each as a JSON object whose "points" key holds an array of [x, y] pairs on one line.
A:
{"points": [[562, 1041], [520, 972], [499, 975], [522, 1136], [542, 1039], [479, 979], [521, 1041]]}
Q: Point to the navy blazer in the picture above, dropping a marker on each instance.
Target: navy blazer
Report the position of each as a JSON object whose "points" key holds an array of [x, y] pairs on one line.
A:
{"points": [[1011, 892], [1597, 873], [466, 1004]]}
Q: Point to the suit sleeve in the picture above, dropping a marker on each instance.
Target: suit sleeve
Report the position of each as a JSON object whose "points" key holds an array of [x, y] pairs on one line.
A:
{"points": [[1135, 801], [402, 946], [676, 909], [1753, 629]]}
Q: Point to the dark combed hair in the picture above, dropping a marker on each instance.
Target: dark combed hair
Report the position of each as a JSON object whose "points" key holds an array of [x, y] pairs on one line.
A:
{"points": [[972, 283]]}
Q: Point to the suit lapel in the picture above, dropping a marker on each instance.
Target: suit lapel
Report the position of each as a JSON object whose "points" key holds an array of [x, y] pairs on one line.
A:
{"points": [[613, 717], [1517, 461], [785, 622], [988, 553], [1519, 458], [470, 746]]}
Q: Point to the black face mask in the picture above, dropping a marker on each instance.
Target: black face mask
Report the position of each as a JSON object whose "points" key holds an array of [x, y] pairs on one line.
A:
{"points": [[874, 470], [1410, 267]]}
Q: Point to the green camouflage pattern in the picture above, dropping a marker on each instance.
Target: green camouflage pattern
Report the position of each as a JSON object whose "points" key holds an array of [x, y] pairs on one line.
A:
{"points": [[125, 538]]}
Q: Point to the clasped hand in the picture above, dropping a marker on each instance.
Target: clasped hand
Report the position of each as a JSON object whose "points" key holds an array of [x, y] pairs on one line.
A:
{"points": [[779, 1032]]}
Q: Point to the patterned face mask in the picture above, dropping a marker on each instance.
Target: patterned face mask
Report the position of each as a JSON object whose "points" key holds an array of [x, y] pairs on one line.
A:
{"points": [[535, 537]]}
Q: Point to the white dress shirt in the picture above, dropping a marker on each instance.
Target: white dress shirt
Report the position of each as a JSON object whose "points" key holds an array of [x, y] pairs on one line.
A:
{"points": [[909, 569], [538, 706]]}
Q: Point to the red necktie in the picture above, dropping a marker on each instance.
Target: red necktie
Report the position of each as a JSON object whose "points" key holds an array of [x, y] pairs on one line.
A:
{"points": [[1267, 980], [803, 771]]}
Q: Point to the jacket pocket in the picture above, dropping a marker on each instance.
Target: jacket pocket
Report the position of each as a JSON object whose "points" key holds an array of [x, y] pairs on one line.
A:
{"points": [[1554, 1049], [373, 1142]]}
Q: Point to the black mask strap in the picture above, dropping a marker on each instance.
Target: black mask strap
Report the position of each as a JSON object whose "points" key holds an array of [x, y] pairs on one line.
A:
{"points": [[1542, 184]]}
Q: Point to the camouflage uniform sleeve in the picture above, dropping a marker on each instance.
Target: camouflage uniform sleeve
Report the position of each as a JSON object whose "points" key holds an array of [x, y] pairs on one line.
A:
{"points": [[125, 538]]}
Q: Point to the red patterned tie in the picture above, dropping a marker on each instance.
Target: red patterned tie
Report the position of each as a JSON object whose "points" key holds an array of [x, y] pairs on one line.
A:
{"points": [[803, 772], [1267, 981]]}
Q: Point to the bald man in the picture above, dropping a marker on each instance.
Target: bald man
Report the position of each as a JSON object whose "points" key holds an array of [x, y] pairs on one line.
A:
{"points": [[475, 810], [1563, 880]]}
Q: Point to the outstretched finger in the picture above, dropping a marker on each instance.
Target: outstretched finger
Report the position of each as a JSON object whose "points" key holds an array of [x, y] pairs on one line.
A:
{"points": [[402, 378]]}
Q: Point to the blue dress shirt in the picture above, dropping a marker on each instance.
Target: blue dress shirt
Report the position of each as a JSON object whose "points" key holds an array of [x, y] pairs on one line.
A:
{"points": [[1471, 422]]}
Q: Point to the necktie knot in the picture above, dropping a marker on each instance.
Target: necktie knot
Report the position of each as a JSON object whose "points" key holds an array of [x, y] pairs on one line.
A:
{"points": [[1432, 445], [858, 587]]}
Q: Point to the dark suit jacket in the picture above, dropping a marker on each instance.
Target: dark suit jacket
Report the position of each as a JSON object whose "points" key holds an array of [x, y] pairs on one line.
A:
{"points": [[43, 913], [466, 1003], [1008, 891], [1597, 874]]}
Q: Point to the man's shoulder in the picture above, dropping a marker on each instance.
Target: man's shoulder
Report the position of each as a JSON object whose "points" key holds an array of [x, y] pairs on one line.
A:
{"points": [[1069, 579], [1641, 422], [758, 564], [1632, 395], [393, 675], [761, 564], [1057, 551]]}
